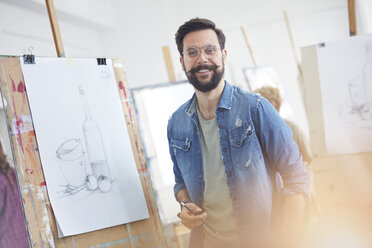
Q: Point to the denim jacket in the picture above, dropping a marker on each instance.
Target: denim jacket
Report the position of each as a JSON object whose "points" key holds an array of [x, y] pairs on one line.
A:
{"points": [[255, 143]]}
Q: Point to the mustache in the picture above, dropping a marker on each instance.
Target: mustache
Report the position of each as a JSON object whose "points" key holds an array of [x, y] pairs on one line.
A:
{"points": [[203, 67]]}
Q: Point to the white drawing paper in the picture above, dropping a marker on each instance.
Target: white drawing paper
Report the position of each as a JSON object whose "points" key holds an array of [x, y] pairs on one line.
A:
{"points": [[345, 73], [85, 150]]}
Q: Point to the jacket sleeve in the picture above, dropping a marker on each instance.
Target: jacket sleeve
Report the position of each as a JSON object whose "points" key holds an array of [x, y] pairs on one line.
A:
{"points": [[180, 184], [301, 141], [280, 150]]}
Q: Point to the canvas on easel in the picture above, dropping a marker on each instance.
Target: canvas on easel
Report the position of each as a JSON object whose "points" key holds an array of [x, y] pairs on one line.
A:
{"points": [[83, 143], [340, 133], [72, 150], [342, 71]]}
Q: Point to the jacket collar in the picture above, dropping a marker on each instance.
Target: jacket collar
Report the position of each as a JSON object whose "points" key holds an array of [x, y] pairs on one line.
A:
{"points": [[225, 101]]}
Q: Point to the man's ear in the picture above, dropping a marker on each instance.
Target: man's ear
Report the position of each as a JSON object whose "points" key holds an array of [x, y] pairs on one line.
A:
{"points": [[182, 64], [224, 56]]}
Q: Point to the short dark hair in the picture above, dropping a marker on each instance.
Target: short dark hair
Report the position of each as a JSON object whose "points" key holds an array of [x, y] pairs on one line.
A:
{"points": [[197, 24]]}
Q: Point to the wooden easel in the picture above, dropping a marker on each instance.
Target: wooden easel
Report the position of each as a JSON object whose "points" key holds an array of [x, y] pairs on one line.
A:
{"points": [[343, 181], [249, 46], [352, 17], [38, 213], [168, 63]]}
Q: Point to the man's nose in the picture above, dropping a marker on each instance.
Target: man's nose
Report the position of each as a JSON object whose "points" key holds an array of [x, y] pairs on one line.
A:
{"points": [[202, 59]]}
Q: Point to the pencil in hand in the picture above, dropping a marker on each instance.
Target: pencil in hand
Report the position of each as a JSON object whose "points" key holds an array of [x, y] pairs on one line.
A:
{"points": [[195, 214]]}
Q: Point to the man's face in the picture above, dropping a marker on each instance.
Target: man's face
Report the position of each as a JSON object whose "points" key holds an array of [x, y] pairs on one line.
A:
{"points": [[203, 61]]}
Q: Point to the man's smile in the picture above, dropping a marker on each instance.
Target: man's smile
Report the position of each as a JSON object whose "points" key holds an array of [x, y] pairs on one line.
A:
{"points": [[203, 69]]}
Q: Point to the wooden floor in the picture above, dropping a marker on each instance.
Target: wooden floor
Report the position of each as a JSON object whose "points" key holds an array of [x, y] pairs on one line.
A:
{"points": [[344, 194], [173, 240]]}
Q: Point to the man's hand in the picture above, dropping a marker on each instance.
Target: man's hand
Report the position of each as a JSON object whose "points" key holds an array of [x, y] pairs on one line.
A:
{"points": [[190, 220], [292, 220]]}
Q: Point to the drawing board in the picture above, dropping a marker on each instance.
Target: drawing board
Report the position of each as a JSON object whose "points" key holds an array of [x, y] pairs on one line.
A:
{"points": [[345, 78], [85, 150]]}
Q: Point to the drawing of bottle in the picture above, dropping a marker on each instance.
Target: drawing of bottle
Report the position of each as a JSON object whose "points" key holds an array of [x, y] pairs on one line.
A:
{"points": [[95, 147], [367, 83]]}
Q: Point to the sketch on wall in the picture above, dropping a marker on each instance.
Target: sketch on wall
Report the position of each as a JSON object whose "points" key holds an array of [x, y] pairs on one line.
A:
{"points": [[345, 73], [84, 146]]}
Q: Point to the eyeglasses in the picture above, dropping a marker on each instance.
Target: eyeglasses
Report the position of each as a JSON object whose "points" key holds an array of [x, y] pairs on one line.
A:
{"points": [[192, 53]]}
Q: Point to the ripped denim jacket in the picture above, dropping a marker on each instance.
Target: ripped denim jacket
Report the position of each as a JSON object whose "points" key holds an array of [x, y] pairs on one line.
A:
{"points": [[255, 143]]}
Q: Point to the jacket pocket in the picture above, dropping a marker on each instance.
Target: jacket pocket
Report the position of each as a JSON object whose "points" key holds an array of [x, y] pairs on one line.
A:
{"points": [[244, 145], [240, 134], [181, 151]]}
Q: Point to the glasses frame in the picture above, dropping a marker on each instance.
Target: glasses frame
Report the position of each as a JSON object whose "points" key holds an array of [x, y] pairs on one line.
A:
{"points": [[201, 50]]}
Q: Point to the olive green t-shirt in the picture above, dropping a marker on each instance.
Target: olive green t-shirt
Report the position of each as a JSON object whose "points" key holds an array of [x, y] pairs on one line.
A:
{"points": [[217, 201]]}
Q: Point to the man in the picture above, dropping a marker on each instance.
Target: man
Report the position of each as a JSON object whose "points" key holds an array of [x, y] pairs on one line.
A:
{"points": [[225, 145]]}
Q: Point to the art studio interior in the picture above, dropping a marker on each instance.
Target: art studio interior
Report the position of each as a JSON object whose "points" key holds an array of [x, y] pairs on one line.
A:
{"points": [[102, 123]]}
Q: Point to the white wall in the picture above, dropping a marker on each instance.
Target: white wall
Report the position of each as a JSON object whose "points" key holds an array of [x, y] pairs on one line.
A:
{"points": [[135, 31]]}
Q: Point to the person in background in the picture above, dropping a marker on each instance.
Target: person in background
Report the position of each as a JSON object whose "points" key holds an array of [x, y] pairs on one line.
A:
{"points": [[226, 144], [13, 232], [273, 95]]}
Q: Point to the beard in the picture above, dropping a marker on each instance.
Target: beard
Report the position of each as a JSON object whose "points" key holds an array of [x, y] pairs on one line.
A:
{"points": [[211, 84]]}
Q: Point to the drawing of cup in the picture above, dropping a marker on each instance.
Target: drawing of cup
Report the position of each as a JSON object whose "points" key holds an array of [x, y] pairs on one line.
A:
{"points": [[71, 159], [356, 93]]}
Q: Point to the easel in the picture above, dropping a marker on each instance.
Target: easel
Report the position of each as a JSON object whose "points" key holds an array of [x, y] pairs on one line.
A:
{"points": [[352, 17], [343, 181], [37, 209], [168, 63], [249, 46]]}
